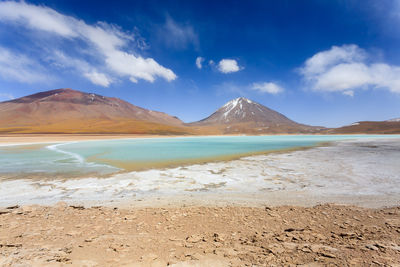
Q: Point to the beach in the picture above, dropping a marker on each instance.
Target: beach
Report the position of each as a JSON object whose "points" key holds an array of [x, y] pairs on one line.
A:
{"points": [[333, 204]]}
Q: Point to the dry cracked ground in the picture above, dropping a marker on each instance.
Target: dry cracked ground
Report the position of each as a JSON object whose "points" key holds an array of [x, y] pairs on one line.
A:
{"points": [[324, 235]]}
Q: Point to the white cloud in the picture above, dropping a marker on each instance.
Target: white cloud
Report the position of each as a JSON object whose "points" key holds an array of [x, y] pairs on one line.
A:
{"points": [[137, 67], [6, 96], [267, 87], [106, 42], [199, 62], [324, 60], [346, 69], [228, 66], [98, 78], [37, 17], [211, 62], [18, 67]]}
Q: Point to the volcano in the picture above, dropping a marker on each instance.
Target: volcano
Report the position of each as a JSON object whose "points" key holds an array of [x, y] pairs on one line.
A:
{"points": [[242, 115]]}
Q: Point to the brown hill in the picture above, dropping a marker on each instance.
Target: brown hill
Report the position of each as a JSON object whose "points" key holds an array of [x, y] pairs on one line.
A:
{"points": [[71, 111], [369, 127], [242, 115]]}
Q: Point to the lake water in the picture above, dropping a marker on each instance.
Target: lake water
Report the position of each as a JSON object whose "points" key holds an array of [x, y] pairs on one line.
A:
{"points": [[97, 158]]}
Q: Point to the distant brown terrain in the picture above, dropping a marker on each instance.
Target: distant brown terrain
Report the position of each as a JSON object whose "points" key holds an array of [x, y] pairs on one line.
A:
{"points": [[67, 111], [369, 127]]}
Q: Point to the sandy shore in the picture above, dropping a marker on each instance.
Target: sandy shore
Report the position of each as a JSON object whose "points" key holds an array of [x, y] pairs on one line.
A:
{"points": [[324, 235], [22, 139]]}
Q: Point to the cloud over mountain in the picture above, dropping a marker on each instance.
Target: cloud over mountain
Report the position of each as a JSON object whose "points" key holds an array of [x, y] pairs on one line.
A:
{"points": [[267, 87]]}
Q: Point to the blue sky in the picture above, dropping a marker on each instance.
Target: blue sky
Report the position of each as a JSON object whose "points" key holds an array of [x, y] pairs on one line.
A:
{"points": [[327, 63]]}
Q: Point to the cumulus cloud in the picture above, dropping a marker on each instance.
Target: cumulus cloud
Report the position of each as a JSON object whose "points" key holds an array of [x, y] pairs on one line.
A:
{"points": [[267, 87], [348, 68], [228, 66], [108, 44], [199, 62]]}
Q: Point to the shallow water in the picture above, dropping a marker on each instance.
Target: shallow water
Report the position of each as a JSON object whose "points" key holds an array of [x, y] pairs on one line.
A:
{"points": [[365, 171], [96, 158]]}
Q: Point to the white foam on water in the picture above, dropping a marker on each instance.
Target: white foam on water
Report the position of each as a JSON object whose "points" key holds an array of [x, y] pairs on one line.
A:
{"points": [[76, 156]]}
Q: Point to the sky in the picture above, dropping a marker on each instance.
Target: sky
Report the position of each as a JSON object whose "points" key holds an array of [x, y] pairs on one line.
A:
{"points": [[325, 63]]}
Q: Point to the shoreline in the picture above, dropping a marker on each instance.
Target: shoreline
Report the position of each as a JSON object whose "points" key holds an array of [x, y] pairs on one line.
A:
{"points": [[356, 172], [29, 139]]}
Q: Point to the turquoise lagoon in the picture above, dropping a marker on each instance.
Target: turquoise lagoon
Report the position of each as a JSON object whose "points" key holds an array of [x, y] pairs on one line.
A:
{"points": [[105, 157]]}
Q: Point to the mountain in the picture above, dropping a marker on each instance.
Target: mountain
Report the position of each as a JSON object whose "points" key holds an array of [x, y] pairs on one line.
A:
{"points": [[369, 127], [242, 115], [71, 111]]}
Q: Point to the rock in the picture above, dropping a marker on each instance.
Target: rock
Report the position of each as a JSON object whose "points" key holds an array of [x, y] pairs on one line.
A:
{"points": [[371, 247], [294, 229], [29, 209], [67, 250], [348, 235], [316, 248], [74, 233], [130, 217], [194, 238], [378, 263], [218, 238], [379, 245], [11, 245], [327, 255], [276, 249], [289, 245], [4, 211], [77, 207], [396, 248]]}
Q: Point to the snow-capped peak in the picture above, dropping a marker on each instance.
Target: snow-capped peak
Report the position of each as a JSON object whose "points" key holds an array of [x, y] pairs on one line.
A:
{"points": [[240, 100], [394, 120], [236, 104]]}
